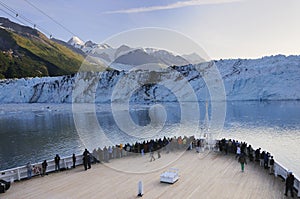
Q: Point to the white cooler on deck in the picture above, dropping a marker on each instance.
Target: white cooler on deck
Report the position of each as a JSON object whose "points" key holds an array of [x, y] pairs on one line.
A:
{"points": [[170, 176]]}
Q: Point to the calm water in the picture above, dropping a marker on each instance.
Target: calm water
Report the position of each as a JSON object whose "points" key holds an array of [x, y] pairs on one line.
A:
{"points": [[34, 132]]}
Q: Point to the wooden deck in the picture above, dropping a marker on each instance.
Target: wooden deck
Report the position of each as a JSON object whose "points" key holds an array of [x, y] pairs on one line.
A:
{"points": [[203, 175]]}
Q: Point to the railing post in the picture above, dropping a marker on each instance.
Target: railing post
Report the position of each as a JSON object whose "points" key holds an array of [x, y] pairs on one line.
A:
{"points": [[65, 163], [298, 195], [19, 175], [275, 169]]}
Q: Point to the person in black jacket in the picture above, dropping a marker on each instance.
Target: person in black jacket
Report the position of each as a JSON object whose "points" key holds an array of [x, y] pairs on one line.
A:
{"points": [[74, 160], [86, 159], [271, 171], [289, 183], [56, 160], [44, 167]]}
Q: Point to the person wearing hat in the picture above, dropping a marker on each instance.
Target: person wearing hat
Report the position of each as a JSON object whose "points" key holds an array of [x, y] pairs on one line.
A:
{"points": [[289, 183]]}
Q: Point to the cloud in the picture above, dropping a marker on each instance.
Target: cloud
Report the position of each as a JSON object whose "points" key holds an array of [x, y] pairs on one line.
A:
{"points": [[179, 4]]}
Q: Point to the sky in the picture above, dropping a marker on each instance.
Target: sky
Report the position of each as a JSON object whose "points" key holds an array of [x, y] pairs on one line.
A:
{"points": [[223, 29]]}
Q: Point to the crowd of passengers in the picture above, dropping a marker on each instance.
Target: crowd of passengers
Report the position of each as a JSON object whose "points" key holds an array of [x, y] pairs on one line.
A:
{"points": [[149, 146], [167, 144], [233, 146]]}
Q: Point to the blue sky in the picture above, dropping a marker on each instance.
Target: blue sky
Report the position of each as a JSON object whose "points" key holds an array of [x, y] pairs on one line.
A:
{"points": [[223, 28]]}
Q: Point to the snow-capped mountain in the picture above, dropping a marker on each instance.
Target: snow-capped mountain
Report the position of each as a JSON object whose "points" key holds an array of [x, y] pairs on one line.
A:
{"points": [[125, 57], [142, 56], [167, 57], [268, 78], [76, 42]]}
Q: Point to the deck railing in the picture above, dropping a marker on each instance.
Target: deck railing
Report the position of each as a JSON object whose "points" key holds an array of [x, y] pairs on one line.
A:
{"points": [[20, 173]]}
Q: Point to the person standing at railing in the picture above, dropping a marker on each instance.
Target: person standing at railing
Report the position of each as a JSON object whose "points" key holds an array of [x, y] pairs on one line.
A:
{"points": [[238, 151], [257, 154], [266, 160], [86, 159], [289, 183], [198, 146], [250, 153], [109, 153], [44, 167], [121, 150], [89, 156], [261, 159], [29, 170], [105, 153], [226, 147], [271, 165], [74, 160], [229, 146], [56, 160]]}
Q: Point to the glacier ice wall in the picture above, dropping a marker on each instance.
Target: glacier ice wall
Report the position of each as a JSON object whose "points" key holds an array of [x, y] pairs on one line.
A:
{"points": [[268, 78]]}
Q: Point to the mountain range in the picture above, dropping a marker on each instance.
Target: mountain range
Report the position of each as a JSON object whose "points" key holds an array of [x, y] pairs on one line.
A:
{"points": [[125, 57]]}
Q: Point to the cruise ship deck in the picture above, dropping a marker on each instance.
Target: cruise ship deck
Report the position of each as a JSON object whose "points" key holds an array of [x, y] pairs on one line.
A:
{"points": [[202, 175]]}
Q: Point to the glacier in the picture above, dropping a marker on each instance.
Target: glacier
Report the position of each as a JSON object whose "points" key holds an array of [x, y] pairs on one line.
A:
{"points": [[268, 78]]}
